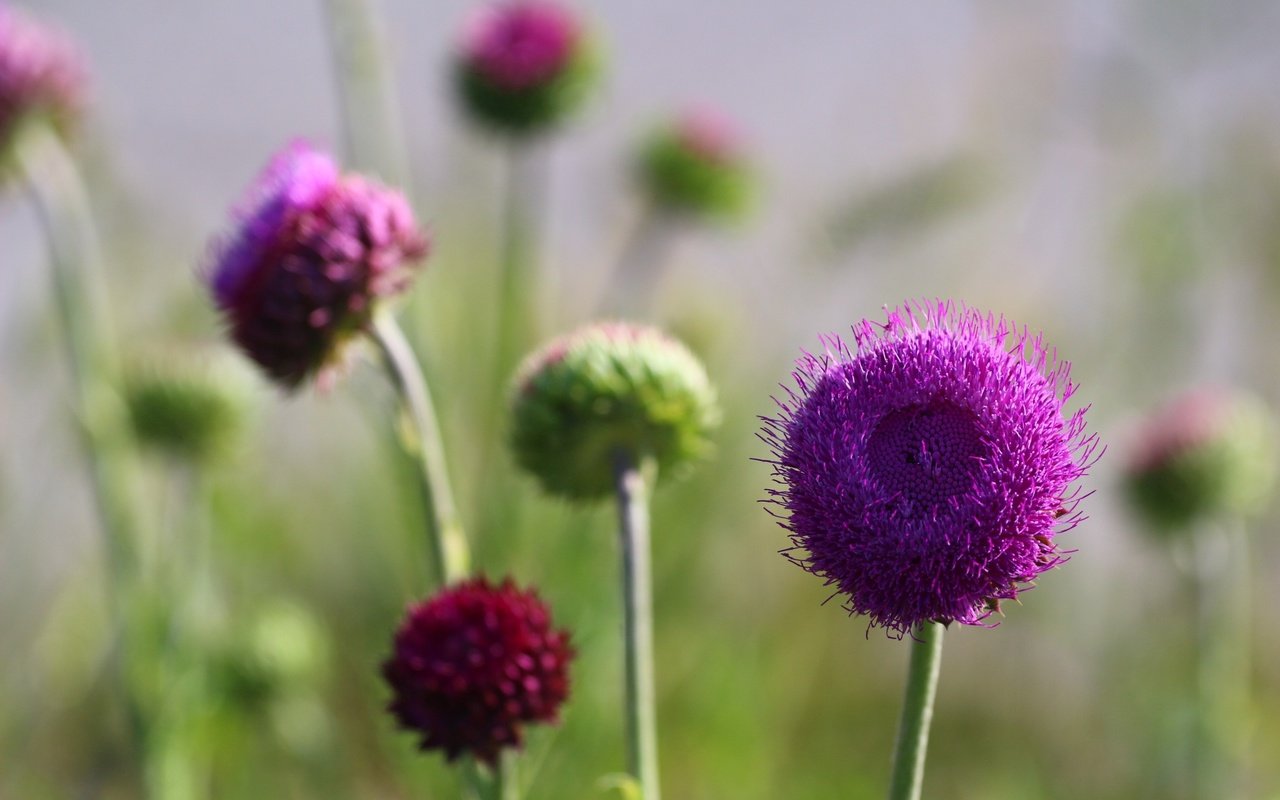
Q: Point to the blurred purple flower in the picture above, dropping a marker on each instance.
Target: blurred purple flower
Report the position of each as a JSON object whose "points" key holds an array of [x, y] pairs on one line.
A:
{"points": [[41, 73], [926, 473], [521, 45], [473, 664], [311, 253], [524, 66]]}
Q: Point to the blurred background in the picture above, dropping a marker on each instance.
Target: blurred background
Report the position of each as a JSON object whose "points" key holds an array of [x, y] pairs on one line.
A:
{"points": [[1107, 171]]}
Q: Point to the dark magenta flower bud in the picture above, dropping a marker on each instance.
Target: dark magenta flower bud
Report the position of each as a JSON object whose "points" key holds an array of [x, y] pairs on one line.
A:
{"points": [[474, 664], [312, 253], [524, 66], [927, 472]]}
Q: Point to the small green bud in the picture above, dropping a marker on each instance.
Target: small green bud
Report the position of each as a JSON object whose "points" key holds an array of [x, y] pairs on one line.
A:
{"points": [[695, 166], [606, 389], [190, 404], [1208, 453]]}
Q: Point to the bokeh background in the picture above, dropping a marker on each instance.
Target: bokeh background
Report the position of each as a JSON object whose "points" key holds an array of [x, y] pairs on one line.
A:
{"points": [[1105, 170]]}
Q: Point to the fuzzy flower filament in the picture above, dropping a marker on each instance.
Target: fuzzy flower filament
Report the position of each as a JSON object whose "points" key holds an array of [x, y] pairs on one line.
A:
{"points": [[926, 472]]}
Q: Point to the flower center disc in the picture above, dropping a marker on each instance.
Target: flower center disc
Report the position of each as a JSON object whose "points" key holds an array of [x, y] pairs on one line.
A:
{"points": [[927, 454]]}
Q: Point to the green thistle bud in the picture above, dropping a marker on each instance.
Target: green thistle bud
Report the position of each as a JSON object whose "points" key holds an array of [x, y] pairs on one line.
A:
{"points": [[607, 389], [1206, 454], [695, 166], [191, 405]]}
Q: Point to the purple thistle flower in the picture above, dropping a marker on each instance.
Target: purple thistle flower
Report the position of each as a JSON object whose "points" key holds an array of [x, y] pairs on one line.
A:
{"points": [[311, 253], [41, 73], [473, 664], [926, 473], [521, 45]]}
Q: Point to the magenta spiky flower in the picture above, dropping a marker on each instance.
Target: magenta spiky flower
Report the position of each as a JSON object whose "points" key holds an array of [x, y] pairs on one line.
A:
{"points": [[926, 472], [311, 254], [41, 74], [524, 65], [475, 663]]}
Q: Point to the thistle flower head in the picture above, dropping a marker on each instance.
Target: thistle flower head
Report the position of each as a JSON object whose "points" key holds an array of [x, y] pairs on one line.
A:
{"points": [[926, 472], [311, 254], [1207, 452], [695, 165], [41, 75], [475, 663], [606, 389], [188, 403], [524, 65]]}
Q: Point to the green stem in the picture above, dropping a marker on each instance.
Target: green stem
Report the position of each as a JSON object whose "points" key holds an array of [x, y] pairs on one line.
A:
{"points": [[1220, 583], [366, 90], [61, 202], [637, 597], [917, 712], [448, 541], [497, 783]]}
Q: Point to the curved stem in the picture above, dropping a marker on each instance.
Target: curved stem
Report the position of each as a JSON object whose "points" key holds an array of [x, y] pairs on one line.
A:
{"points": [[448, 542], [917, 712], [641, 710], [61, 202]]}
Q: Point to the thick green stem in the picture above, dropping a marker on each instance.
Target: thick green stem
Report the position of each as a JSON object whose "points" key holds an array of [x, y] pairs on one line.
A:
{"points": [[917, 712], [54, 185], [448, 541], [637, 603], [366, 90]]}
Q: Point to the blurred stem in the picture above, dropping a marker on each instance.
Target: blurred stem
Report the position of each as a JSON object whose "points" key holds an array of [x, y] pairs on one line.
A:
{"points": [[514, 330], [1220, 583], [637, 272], [517, 281], [637, 597], [917, 712], [498, 783], [448, 542], [62, 204], [372, 127]]}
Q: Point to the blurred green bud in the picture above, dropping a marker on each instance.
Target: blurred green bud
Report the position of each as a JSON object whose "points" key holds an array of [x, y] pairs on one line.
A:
{"points": [[190, 404], [695, 166], [605, 389], [1206, 454], [283, 651]]}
